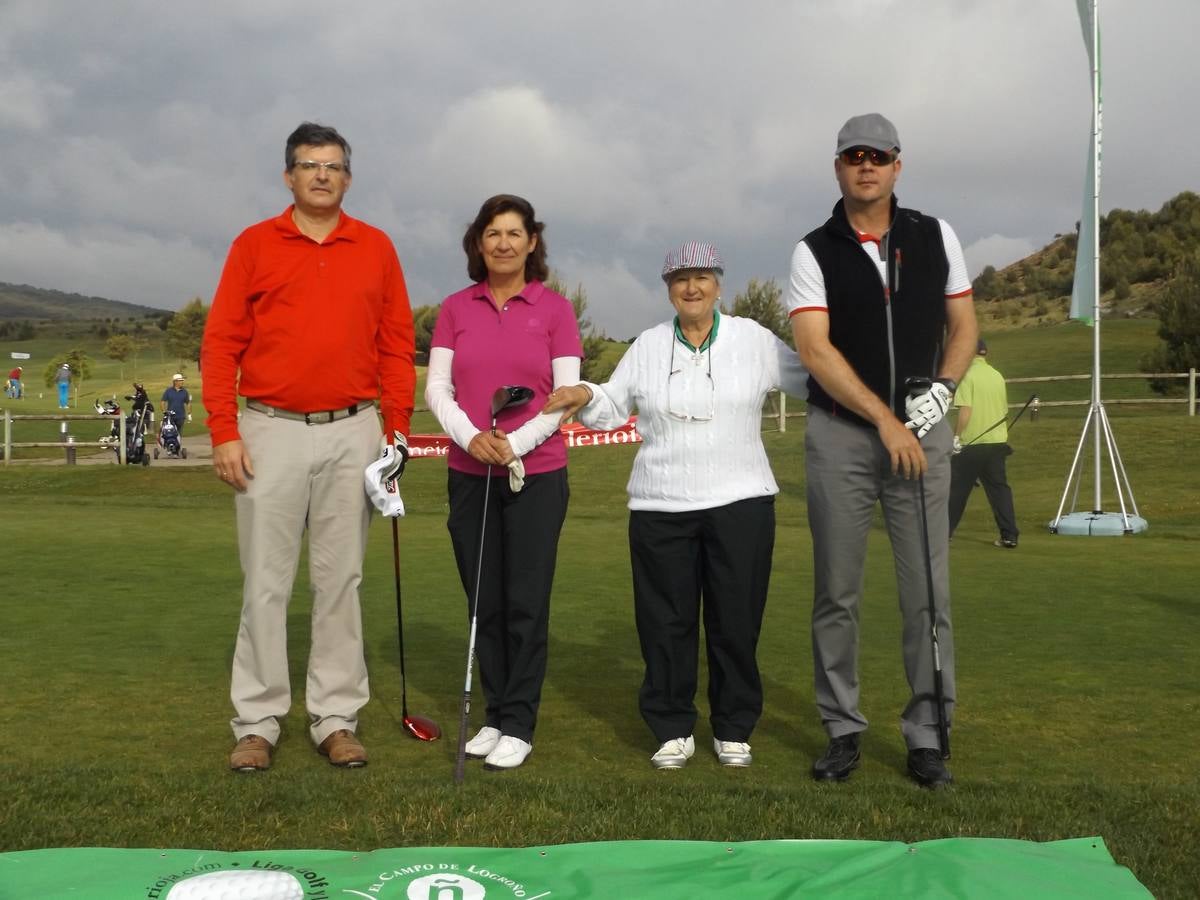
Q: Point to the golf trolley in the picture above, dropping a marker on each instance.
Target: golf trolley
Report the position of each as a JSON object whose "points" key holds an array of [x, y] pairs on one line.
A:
{"points": [[168, 438], [135, 425]]}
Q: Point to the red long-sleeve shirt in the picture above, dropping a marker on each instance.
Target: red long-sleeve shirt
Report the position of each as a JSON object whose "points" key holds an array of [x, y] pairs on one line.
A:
{"points": [[311, 326]]}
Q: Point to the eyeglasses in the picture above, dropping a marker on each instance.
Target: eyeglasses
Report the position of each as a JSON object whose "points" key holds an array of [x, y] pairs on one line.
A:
{"points": [[691, 396], [311, 165], [856, 156]]}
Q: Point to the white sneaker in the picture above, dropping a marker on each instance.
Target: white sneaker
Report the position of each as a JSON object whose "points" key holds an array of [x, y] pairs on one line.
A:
{"points": [[510, 752], [732, 753], [484, 742], [674, 754]]}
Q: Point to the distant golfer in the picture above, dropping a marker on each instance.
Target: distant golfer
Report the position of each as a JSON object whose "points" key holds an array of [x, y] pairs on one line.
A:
{"points": [[878, 294], [981, 447], [176, 399], [506, 328], [16, 390], [306, 293], [701, 501], [62, 378]]}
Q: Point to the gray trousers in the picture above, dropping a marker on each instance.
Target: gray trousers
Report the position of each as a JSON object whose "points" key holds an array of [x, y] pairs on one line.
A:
{"points": [[848, 471], [306, 477]]}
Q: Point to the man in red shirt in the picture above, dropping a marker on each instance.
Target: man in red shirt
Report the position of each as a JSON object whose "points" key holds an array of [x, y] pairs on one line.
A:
{"points": [[303, 295]]}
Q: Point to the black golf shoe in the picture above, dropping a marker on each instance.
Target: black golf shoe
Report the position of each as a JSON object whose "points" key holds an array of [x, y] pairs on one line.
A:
{"points": [[927, 769], [840, 759]]}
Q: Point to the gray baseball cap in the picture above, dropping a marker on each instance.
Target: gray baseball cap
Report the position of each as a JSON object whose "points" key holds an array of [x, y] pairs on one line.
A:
{"points": [[871, 130]]}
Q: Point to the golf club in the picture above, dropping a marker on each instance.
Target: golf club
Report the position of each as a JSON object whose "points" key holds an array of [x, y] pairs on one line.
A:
{"points": [[421, 728], [1000, 422], [504, 398], [916, 387]]}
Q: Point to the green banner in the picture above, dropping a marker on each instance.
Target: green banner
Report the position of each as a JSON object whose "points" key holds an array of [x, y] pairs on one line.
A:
{"points": [[627, 870]]}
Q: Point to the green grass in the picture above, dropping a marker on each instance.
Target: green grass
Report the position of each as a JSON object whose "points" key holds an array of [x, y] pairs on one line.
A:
{"points": [[1078, 709]]}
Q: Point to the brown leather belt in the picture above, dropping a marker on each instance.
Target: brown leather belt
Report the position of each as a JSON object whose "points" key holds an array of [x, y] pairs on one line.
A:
{"points": [[313, 418]]}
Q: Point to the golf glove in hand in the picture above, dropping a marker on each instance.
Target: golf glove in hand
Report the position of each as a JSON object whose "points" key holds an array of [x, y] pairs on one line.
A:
{"points": [[189, 415], [516, 475], [958, 445], [927, 409], [399, 458], [382, 482]]}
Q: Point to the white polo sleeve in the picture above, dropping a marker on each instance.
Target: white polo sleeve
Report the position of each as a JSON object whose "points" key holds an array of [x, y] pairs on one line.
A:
{"points": [[806, 284], [958, 283]]}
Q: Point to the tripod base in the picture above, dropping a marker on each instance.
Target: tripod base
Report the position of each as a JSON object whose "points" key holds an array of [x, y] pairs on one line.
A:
{"points": [[1099, 524]]}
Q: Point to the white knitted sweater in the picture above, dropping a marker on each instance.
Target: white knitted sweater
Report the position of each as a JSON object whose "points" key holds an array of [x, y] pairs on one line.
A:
{"points": [[688, 465]]}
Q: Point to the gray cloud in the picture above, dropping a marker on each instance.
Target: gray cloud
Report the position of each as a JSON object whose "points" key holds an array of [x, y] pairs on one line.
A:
{"points": [[150, 133]]}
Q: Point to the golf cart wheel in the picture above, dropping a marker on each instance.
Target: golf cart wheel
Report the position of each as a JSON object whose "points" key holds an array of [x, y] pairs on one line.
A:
{"points": [[156, 453], [183, 452]]}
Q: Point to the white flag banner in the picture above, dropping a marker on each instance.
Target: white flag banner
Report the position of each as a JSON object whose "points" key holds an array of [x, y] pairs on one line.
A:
{"points": [[1083, 289]]}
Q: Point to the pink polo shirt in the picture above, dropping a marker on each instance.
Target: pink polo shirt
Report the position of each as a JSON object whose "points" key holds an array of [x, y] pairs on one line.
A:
{"points": [[514, 345]]}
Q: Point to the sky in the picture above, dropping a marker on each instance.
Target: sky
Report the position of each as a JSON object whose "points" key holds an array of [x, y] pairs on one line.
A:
{"points": [[141, 136]]}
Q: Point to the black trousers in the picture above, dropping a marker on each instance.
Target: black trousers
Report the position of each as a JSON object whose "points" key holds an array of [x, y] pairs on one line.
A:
{"points": [[983, 463], [720, 560], [519, 553]]}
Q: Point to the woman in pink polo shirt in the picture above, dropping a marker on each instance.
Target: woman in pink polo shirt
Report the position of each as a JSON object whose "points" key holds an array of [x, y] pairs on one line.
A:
{"points": [[507, 328]]}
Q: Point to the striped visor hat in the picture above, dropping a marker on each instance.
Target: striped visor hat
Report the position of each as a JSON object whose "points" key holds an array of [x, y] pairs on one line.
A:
{"points": [[692, 255]]}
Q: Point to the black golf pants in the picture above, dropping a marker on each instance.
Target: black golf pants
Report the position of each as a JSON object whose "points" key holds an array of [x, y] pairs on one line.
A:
{"points": [[519, 553], [719, 561]]}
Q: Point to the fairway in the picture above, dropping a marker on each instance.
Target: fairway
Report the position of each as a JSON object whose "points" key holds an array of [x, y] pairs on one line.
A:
{"points": [[1077, 711]]}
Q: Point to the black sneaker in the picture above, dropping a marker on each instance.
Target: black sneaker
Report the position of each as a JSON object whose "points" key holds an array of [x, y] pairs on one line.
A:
{"points": [[840, 759], [1006, 543], [927, 769]]}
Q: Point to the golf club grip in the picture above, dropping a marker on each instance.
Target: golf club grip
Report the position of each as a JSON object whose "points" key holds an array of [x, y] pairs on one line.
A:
{"points": [[460, 760]]}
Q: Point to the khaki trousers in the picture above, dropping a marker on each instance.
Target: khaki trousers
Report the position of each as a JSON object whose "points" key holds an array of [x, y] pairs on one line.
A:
{"points": [[305, 476]]}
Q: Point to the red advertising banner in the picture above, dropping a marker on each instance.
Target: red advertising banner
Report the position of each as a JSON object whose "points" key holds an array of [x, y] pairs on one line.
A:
{"points": [[422, 446]]}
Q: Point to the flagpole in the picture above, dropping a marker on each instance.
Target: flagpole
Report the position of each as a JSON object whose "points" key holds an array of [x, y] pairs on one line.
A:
{"points": [[1095, 55], [1096, 522]]}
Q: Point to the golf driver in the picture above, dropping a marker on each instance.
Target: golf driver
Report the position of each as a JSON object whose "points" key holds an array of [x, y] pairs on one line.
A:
{"points": [[504, 398], [421, 728], [916, 387]]}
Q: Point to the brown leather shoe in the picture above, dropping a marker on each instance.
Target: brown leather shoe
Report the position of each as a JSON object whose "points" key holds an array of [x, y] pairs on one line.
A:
{"points": [[344, 749], [251, 754]]}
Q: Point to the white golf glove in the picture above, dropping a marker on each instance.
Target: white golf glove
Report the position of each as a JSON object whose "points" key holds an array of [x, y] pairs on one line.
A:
{"points": [[516, 475], [189, 417], [382, 480], [958, 445], [927, 409]]}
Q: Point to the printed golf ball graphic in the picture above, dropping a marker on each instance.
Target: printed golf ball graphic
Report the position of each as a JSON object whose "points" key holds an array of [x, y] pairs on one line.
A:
{"points": [[227, 885]]}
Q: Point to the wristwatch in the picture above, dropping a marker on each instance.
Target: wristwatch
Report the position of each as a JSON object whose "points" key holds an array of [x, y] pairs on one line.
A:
{"points": [[949, 383]]}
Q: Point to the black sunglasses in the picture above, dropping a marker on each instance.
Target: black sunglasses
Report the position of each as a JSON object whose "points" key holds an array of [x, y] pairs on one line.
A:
{"points": [[856, 156]]}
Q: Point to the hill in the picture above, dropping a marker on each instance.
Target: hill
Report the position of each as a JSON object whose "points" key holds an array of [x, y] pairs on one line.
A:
{"points": [[1140, 253], [22, 301]]}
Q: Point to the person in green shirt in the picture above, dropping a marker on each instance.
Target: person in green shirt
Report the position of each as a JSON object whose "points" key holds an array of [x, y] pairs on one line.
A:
{"points": [[981, 447]]}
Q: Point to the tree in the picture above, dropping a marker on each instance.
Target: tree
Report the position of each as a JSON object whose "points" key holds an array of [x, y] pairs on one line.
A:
{"points": [[1178, 325], [81, 368], [593, 368], [186, 330], [760, 302], [119, 347], [424, 318]]}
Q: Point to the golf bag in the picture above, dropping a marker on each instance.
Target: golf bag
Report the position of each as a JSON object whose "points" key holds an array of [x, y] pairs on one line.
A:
{"points": [[168, 438], [135, 425]]}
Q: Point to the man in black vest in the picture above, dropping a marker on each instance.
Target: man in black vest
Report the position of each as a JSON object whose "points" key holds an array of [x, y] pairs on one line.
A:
{"points": [[877, 295]]}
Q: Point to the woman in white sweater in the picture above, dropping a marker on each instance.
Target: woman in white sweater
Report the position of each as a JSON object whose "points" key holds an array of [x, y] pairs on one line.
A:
{"points": [[702, 502]]}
